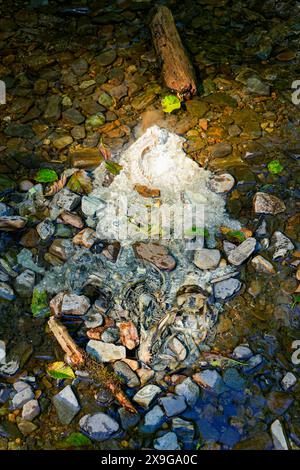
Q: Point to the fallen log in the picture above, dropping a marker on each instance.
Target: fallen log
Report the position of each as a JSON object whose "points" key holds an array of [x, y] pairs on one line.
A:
{"points": [[178, 72], [80, 359]]}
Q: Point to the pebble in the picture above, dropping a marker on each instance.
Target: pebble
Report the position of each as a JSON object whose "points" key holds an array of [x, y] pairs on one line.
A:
{"points": [[261, 265], [12, 222], [126, 374], [62, 142], [85, 237], [128, 420], [93, 320], [66, 405], [26, 427], [221, 150], [66, 199], [99, 426], [222, 183], [6, 292], [288, 381], [154, 419], [61, 248], [45, 229], [189, 390], [278, 436], [233, 379], [265, 203], [281, 245], [30, 410], [173, 405], [24, 283], [207, 259], [242, 252], [279, 402], [166, 442], [22, 397], [53, 109], [105, 352], [80, 66], [178, 349], [155, 254], [146, 395], [106, 57], [128, 335], [242, 353], [256, 86], [225, 289], [74, 304], [209, 379]]}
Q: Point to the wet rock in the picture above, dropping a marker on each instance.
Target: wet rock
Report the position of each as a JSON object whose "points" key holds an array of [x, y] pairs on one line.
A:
{"points": [[173, 405], [30, 410], [209, 379], [66, 405], [111, 251], [61, 248], [166, 442], [189, 390], [126, 374], [2, 351], [90, 205], [265, 203], [143, 100], [227, 288], [45, 229], [128, 420], [288, 381], [6, 292], [261, 265], [278, 437], [222, 183], [99, 426], [207, 259], [94, 121], [71, 219], [156, 254], [253, 362], [62, 142], [74, 304], [256, 86], [80, 66], [242, 353], [66, 199], [40, 86], [221, 150], [105, 352], [146, 395], [242, 252], [73, 117], [105, 100], [153, 420], [279, 402], [26, 427], [281, 245], [86, 237], [24, 283], [53, 109], [196, 108], [78, 132], [22, 397], [184, 430], [233, 379], [11, 223], [106, 57], [128, 335], [93, 320]]}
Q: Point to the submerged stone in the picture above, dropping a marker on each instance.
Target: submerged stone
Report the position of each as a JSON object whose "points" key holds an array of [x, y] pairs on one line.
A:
{"points": [[99, 426]]}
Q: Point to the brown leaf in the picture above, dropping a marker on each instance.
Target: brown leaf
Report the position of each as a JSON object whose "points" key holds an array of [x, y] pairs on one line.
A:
{"points": [[56, 186], [104, 150]]}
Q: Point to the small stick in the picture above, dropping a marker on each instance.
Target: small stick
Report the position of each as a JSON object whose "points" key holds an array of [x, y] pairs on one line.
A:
{"points": [[80, 359]]}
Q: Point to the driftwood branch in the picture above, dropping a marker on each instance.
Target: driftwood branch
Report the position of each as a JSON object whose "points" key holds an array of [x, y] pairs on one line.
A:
{"points": [[177, 70], [80, 359]]}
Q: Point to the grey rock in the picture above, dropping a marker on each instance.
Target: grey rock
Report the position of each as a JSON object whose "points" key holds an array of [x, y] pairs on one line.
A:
{"points": [[154, 419], [128, 419], [233, 379], [25, 260], [66, 199], [184, 430], [265, 203], [24, 283], [227, 288], [22, 397], [111, 335], [126, 374], [45, 229], [30, 410], [105, 352], [66, 405], [242, 252], [253, 362], [73, 116], [90, 205], [173, 405], [74, 304], [207, 259], [288, 381], [146, 395], [99, 426], [189, 390], [281, 245], [2, 351], [278, 436], [6, 292], [222, 183], [256, 86], [242, 353], [10, 367], [20, 385], [93, 319], [166, 442], [228, 247]]}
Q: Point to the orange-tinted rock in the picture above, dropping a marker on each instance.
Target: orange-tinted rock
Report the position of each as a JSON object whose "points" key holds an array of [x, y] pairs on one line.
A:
{"points": [[128, 335]]}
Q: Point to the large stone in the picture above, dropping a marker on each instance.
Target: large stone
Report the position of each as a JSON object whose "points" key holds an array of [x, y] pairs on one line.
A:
{"points": [[156, 254], [99, 426], [207, 259], [189, 390], [265, 203], [74, 304], [45, 229], [173, 405], [242, 252], [90, 205], [146, 395], [105, 352], [167, 442], [30, 410], [66, 405]]}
